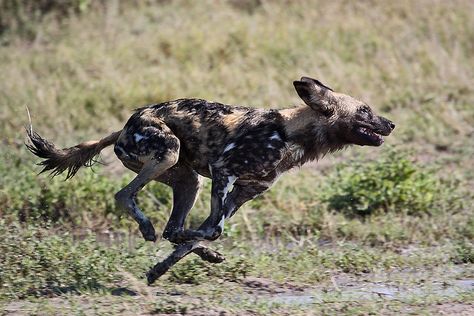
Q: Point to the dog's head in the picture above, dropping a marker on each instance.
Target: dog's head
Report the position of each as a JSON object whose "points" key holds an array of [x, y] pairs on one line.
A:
{"points": [[351, 120]]}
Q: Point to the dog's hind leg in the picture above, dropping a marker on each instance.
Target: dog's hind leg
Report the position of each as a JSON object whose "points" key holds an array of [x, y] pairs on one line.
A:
{"points": [[185, 184], [125, 198], [154, 147]]}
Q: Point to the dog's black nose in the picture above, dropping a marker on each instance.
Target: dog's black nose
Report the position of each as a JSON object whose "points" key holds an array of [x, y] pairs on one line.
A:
{"points": [[392, 126]]}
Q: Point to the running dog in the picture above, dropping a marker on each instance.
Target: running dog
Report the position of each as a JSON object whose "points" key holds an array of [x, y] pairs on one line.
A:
{"points": [[243, 150]]}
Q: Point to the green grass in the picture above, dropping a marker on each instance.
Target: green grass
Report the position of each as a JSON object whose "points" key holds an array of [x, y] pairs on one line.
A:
{"points": [[463, 252], [389, 200], [81, 67], [35, 263], [391, 184], [38, 263]]}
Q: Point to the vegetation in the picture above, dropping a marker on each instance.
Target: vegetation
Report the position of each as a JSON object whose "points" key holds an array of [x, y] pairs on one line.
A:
{"points": [[391, 184], [399, 216], [34, 263]]}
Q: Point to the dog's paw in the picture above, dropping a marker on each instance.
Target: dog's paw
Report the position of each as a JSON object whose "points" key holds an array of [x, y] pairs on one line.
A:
{"points": [[213, 234], [148, 231], [209, 255]]}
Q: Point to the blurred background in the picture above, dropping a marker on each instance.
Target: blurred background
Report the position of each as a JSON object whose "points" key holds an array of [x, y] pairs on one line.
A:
{"points": [[399, 216]]}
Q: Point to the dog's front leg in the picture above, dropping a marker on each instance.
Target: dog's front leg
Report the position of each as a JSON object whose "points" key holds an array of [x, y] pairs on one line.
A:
{"points": [[241, 194], [233, 200], [213, 226]]}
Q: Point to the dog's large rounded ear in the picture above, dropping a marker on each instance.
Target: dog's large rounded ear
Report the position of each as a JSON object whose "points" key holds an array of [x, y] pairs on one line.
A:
{"points": [[315, 94], [316, 82]]}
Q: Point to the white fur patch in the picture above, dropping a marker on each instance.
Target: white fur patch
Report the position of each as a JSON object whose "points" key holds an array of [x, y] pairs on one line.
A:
{"points": [[275, 136], [221, 223], [297, 152], [138, 137], [230, 182], [210, 169], [228, 147]]}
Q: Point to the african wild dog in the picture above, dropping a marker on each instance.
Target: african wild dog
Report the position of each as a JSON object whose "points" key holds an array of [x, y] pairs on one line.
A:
{"points": [[243, 150]]}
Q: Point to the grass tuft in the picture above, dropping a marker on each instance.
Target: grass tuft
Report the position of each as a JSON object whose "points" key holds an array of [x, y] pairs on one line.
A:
{"points": [[34, 263], [392, 183]]}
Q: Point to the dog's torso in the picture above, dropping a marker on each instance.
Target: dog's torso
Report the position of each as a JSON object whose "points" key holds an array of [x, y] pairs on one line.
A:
{"points": [[250, 144]]}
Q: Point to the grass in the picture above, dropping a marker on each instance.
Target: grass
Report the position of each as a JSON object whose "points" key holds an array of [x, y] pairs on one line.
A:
{"points": [[80, 274], [392, 200], [106, 63], [392, 184], [36, 263], [81, 67]]}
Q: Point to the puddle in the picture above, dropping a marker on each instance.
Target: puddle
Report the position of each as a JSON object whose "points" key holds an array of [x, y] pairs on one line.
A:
{"points": [[292, 299], [373, 291]]}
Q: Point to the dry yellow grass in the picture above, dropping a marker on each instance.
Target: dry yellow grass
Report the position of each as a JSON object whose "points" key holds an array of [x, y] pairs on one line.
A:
{"points": [[81, 77]]}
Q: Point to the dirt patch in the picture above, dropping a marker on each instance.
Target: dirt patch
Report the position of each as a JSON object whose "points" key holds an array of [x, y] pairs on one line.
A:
{"points": [[254, 284], [443, 290], [457, 309]]}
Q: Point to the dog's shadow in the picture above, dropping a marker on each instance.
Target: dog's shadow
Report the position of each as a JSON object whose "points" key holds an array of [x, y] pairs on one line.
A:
{"points": [[123, 291]]}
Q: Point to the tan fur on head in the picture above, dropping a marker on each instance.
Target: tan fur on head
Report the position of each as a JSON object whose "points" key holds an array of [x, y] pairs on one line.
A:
{"points": [[346, 105], [341, 120]]}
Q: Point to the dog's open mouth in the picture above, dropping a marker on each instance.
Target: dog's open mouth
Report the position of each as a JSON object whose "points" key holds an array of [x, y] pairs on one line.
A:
{"points": [[371, 137]]}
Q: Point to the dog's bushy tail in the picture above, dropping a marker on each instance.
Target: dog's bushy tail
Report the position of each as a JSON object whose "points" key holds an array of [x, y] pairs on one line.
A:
{"points": [[71, 159]]}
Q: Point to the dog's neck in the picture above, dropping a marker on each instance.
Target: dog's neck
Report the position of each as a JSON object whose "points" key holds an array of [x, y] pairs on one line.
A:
{"points": [[309, 133]]}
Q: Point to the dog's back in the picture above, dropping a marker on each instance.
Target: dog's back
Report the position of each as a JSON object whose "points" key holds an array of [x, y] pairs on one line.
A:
{"points": [[208, 132]]}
